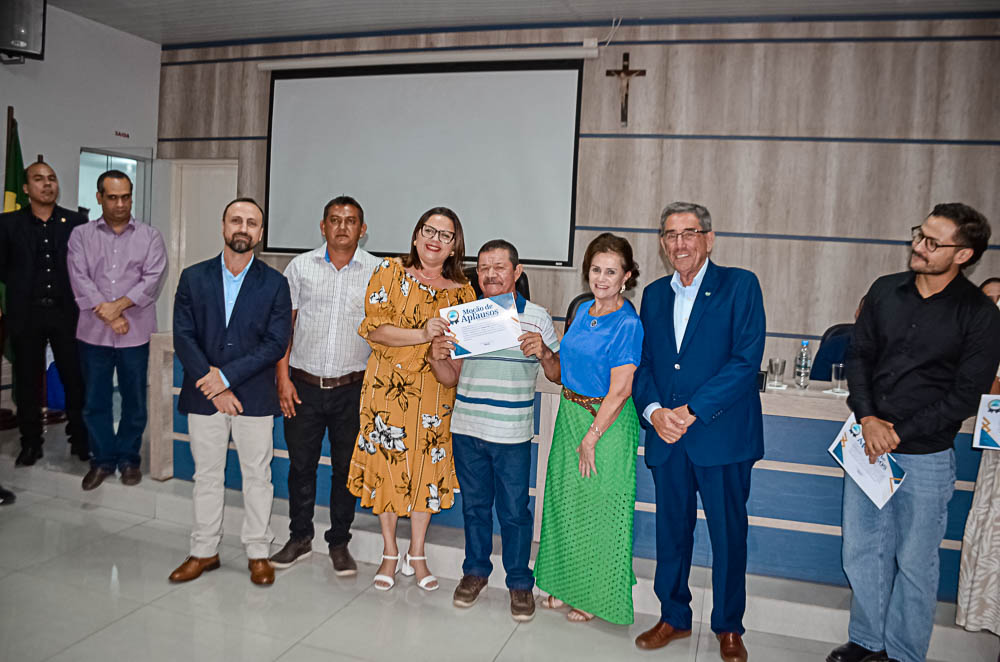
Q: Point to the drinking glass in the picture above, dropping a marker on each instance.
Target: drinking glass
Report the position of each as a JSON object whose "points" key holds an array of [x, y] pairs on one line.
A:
{"points": [[837, 372], [776, 372]]}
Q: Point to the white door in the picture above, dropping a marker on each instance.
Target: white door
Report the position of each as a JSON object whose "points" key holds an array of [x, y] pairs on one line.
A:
{"points": [[188, 199]]}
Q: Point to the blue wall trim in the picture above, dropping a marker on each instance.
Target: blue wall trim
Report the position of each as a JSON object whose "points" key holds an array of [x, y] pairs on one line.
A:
{"points": [[803, 40], [695, 20], [809, 139]]}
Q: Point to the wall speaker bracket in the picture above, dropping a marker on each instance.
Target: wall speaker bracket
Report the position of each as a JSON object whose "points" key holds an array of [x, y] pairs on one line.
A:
{"points": [[11, 59]]}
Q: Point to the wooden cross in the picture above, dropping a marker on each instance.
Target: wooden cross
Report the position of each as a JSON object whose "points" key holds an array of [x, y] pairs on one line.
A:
{"points": [[624, 75]]}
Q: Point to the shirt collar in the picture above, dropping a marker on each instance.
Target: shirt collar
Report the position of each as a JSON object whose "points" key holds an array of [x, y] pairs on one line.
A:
{"points": [[323, 253], [910, 284], [101, 223], [228, 274], [691, 290]]}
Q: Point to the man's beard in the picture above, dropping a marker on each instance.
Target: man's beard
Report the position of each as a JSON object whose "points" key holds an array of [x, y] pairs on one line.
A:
{"points": [[240, 243], [923, 266]]}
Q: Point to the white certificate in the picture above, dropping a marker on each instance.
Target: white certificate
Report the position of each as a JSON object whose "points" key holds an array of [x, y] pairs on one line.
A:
{"points": [[987, 434], [484, 325], [880, 480]]}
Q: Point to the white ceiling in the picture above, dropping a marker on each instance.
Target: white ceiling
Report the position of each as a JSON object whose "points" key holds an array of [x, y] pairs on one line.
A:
{"points": [[187, 21]]}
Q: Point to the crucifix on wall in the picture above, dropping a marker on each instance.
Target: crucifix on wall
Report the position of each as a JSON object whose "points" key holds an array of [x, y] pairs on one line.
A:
{"points": [[624, 75]]}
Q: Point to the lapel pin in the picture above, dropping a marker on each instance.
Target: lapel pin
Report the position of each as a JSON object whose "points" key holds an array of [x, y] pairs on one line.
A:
{"points": [[62, 220], [708, 294]]}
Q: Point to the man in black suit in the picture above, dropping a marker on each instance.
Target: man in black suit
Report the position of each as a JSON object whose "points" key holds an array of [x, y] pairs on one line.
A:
{"points": [[41, 308]]}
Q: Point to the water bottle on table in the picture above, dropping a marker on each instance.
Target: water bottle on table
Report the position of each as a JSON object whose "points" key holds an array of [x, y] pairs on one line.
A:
{"points": [[803, 365]]}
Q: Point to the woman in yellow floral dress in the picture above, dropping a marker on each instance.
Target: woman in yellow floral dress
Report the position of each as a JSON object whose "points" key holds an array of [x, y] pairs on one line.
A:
{"points": [[403, 466]]}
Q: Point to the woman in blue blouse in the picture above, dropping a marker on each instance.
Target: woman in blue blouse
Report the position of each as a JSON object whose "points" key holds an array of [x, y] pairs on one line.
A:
{"points": [[585, 555]]}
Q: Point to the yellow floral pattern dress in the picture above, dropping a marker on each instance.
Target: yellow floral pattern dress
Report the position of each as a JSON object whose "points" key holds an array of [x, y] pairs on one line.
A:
{"points": [[403, 461]]}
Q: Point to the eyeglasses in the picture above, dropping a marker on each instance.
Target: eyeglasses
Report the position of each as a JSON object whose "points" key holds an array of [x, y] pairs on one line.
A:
{"points": [[429, 232], [931, 243], [686, 235]]}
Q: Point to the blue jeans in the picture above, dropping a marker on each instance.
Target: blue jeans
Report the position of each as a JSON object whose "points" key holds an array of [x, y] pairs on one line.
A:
{"points": [[111, 450], [495, 474], [891, 557]]}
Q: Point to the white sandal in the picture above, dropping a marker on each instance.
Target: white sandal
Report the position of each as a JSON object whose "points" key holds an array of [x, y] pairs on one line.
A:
{"points": [[388, 580], [408, 571]]}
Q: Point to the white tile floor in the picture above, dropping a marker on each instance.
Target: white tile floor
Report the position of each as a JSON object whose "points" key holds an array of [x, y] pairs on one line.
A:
{"points": [[86, 583], [83, 581]]}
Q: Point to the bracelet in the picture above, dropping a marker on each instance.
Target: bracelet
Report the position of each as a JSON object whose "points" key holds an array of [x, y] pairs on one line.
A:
{"points": [[596, 430]]}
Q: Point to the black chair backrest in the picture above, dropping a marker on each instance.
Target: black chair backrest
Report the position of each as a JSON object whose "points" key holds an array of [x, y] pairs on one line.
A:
{"points": [[836, 330], [573, 305]]}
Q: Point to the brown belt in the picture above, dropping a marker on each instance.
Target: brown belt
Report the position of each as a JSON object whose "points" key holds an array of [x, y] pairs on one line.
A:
{"points": [[584, 401], [327, 382]]}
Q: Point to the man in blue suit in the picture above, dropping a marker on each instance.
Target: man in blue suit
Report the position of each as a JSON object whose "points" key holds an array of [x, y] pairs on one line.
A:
{"points": [[696, 391], [232, 322]]}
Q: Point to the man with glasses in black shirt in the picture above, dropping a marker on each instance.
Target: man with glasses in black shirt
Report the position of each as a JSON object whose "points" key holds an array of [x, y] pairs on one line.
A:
{"points": [[924, 349]]}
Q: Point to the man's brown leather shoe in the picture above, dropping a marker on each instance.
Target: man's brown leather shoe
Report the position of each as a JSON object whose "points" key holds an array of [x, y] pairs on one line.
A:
{"points": [[193, 567], [659, 636], [95, 477], [131, 475], [468, 590], [261, 572], [343, 562], [731, 648]]}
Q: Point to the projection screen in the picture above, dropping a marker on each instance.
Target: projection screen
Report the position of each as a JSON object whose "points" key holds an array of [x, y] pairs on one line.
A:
{"points": [[496, 142]]}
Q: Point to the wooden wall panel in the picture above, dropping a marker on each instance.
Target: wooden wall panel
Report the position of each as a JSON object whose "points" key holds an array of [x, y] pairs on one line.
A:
{"points": [[223, 149], [905, 107], [944, 90], [866, 190]]}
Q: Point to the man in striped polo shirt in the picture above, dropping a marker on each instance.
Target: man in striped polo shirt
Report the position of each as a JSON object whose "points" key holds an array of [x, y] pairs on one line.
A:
{"points": [[492, 426]]}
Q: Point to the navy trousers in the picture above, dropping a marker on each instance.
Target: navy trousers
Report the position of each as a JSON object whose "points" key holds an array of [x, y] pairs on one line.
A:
{"points": [[111, 449], [495, 476], [724, 491]]}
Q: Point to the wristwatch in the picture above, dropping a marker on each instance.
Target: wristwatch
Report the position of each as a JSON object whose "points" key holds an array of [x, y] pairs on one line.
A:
{"points": [[691, 411]]}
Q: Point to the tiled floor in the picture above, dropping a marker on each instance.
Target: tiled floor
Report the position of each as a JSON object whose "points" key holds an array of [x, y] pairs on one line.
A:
{"points": [[83, 582]]}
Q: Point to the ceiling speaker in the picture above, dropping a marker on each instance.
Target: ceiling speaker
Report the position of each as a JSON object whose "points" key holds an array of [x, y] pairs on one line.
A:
{"points": [[22, 28]]}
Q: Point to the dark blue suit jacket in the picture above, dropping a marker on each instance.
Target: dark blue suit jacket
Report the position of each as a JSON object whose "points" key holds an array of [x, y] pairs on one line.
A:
{"points": [[715, 372], [246, 350]]}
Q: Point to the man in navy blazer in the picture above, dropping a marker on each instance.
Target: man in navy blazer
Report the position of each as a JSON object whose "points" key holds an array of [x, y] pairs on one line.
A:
{"points": [[232, 322], [696, 392]]}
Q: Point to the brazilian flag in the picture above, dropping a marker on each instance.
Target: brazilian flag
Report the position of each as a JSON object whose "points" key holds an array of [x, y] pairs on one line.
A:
{"points": [[14, 196]]}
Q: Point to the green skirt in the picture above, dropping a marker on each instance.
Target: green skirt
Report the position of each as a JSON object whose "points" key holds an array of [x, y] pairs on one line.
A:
{"points": [[585, 553]]}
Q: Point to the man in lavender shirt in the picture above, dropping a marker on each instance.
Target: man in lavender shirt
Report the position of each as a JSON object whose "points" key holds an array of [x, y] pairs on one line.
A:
{"points": [[116, 268]]}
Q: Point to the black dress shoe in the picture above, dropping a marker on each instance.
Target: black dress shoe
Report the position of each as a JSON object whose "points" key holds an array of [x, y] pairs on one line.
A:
{"points": [[81, 451], [852, 652], [6, 497], [28, 456]]}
